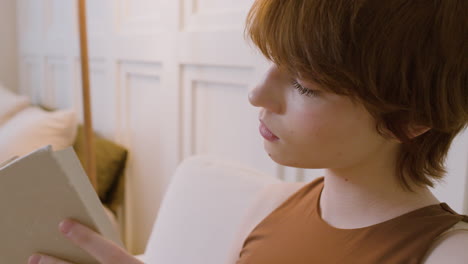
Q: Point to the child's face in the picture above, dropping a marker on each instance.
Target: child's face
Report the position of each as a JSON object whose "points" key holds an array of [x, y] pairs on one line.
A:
{"points": [[323, 130]]}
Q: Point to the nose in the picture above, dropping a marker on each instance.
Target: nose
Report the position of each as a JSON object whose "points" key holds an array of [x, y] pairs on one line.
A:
{"points": [[268, 93]]}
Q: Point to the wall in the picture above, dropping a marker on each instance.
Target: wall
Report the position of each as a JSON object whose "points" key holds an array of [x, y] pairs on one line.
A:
{"points": [[8, 45], [169, 79]]}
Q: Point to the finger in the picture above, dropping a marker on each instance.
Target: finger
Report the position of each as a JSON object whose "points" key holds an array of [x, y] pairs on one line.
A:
{"points": [[105, 251], [44, 259]]}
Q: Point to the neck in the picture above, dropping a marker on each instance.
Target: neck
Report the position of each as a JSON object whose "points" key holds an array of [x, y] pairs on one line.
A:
{"points": [[368, 194]]}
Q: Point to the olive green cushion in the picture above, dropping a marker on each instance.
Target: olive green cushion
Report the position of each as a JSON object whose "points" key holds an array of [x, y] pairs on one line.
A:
{"points": [[110, 165]]}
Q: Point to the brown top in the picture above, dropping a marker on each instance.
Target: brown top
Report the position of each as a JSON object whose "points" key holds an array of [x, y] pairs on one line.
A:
{"points": [[294, 233]]}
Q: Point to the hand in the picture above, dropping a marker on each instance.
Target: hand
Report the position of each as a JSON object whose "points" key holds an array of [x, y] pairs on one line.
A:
{"points": [[103, 250]]}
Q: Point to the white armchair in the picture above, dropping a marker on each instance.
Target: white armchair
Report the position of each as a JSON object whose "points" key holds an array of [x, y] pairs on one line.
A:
{"points": [[209, 209]]}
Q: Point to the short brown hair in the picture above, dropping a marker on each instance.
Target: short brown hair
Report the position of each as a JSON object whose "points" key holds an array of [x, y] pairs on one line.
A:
{"points": [[406, 61]]}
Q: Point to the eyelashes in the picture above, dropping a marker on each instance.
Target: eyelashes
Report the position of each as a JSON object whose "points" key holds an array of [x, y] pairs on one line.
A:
{"points": [[302, 90]]}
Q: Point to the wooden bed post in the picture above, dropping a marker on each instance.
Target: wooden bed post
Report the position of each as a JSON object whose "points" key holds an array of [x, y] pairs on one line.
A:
{"points": [[90, 154]]}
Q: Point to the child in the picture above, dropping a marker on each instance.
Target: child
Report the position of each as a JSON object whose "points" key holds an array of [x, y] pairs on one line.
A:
{"points": [[374, 91]]}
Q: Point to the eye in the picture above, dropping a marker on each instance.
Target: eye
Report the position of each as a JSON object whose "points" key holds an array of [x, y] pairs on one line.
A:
{"points": [[303, 90]]}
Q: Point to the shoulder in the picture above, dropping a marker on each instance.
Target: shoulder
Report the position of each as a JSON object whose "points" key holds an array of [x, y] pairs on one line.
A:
{"points": [[267, 200], [276, 194], [450, 247], [285, 190], [272, 196]]}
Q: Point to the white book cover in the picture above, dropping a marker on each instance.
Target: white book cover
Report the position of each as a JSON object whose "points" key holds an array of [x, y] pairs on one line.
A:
{"points": [[37, 192]]}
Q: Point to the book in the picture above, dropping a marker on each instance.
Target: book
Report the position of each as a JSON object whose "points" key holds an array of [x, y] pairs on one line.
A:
{"points": [[37, 192]]}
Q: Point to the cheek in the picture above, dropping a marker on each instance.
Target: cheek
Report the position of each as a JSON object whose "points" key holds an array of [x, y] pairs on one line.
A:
{"points": [[312, 126], [325, 136], [330, 132], [311, 141]]}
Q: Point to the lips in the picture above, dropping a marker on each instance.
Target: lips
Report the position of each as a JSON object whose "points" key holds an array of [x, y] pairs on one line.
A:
{"points": [[266, 133]]}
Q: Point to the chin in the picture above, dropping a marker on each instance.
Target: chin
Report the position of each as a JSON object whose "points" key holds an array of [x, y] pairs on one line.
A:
{"points": [[294, 163]]}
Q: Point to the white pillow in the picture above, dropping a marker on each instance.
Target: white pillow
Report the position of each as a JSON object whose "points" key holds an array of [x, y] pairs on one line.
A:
{"points": [[10, 104], [33, 128]]}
